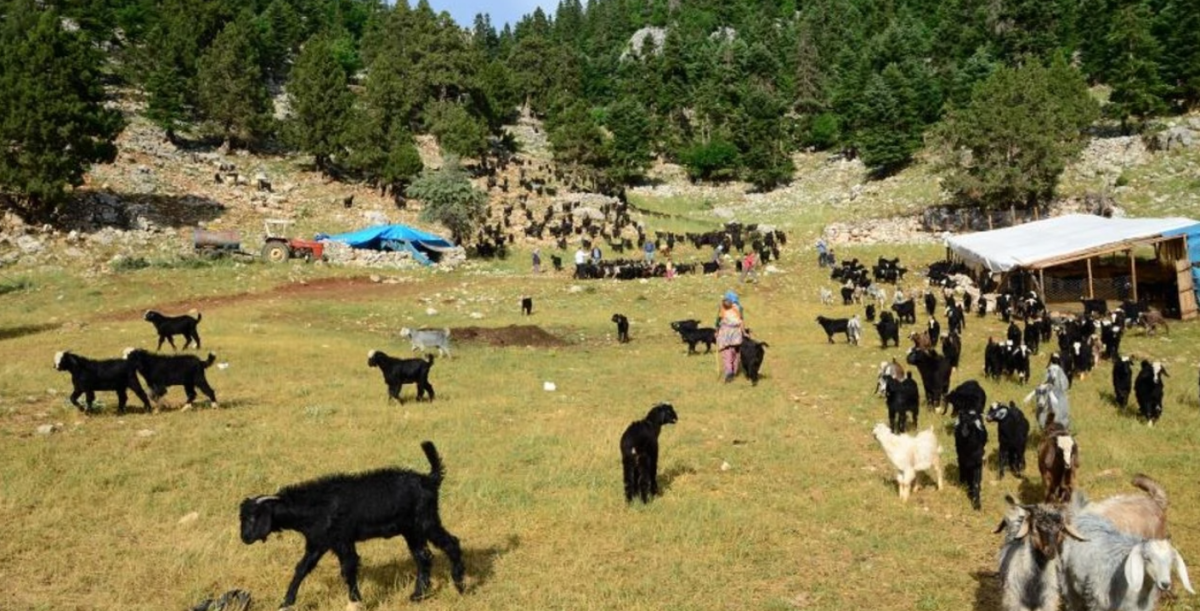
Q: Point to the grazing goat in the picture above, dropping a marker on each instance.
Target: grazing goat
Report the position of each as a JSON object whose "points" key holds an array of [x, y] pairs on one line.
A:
{"points": [[1029, 557], [170, 326], [335, 512], [1122, 379], [906, 311], [1058, 462], [834, 325], [622, 328], [527, 306], [424, 339], [1013, 433], [89, 376], [639, 452], [1143, 515], [826, 296], [398, 372], [1148, 388], [691, 334], [751, 353], [970, 443], [888, 330], [1150, 320], [910, 454], [1110, 569], [902, 398], [854, 330], [161, 372]]}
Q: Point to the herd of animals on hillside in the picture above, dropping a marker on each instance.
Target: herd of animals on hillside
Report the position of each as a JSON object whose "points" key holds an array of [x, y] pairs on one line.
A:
{"points": [[1109, 554]]}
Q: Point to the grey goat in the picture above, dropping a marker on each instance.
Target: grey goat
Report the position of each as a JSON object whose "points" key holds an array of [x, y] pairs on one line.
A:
{"points": [[1029, 557], [424, 339], [1115, 571]]}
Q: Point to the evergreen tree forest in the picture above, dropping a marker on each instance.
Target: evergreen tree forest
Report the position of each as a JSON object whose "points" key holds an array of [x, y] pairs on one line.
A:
{"points": [[727, 88]]}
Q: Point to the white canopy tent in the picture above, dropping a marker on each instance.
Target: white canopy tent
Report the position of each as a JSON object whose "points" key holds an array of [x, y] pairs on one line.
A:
{"points": [[1057, 240]]}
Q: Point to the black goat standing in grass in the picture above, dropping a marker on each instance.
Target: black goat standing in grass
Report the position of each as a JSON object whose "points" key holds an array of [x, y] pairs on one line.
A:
{"points": [[335, 512], [162, 372], [527, 306], [170, 326], [751, 353], [622, 328], [639, 452], [89, 376], [398, 372]]}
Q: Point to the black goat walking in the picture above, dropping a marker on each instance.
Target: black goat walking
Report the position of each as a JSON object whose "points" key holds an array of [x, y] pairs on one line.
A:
{"points": [[170, 326], [89, 376], [622, 328], [162, 372], [335, 512], [639, 452], [398, 372]]}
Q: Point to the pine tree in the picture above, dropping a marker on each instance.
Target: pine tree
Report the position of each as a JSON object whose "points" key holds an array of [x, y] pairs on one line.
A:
{"points": [[1181, 58], [170, 66], [891, 123], [457, 130], [233, 96], [320, 102], [629, 124], [280, 32], [1137, 88], [449, 198], [53, 123]]}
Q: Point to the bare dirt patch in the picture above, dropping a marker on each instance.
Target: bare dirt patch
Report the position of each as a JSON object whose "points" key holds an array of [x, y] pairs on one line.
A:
{"points": [[503, 337]]}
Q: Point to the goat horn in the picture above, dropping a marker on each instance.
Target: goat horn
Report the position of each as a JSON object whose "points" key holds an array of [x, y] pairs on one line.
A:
{"points": [[263, 499], [1070, 530]]}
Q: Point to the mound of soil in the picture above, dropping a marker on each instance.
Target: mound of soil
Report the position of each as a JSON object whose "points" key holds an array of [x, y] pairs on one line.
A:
{"points": [[512, 335]]}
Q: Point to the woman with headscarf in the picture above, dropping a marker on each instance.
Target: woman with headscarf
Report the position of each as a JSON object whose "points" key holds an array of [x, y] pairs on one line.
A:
{"points": [[731, 326]]}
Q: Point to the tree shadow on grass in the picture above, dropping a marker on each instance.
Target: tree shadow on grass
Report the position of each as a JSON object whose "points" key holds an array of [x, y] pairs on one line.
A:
{"points": [[24, 330], [987, 590], [93, 210], [480, 563]]}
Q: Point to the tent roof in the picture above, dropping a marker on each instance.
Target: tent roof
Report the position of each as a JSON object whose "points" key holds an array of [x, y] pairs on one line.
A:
{"points": [[1057, 240], [373, 237]]}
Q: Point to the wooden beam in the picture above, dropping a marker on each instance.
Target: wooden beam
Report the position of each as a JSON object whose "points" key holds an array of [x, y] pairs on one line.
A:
{"points": [[1133, 274], [1091, 285], [1042, 282]]}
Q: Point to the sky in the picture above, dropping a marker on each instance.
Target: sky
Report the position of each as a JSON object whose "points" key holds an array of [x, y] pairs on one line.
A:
{"points": [[501, 11]]}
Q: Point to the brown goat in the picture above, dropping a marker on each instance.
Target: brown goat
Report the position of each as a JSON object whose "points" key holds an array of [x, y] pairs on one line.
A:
{"points": [[921, 341], [1144, 515], [1151, 319], [1058, 462]]}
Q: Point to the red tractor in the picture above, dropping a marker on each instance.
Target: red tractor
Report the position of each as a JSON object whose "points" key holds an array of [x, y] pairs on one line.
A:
{"points": [[279, 248]]}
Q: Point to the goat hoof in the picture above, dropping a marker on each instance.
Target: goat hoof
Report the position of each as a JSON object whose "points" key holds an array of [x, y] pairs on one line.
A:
{"points": [[215, 405], [186, 407], [354, 606]]}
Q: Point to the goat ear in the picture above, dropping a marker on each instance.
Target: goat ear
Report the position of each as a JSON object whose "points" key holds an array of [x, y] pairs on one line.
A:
{"points": [[1135, 569], [1000, 526], [1024, 529], [1181, 569], [1029, 397]]}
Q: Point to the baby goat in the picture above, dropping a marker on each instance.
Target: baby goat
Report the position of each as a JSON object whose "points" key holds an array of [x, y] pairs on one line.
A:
{"points": [[622, 328], [162, 372], [398, 372], [89, 376], [910, 454], [1058, 462], [337, 511], [170, 326], [639, 452]]}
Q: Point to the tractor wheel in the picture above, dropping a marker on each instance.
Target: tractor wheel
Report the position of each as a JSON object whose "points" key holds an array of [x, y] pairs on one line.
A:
{"points": [[276, 252]]}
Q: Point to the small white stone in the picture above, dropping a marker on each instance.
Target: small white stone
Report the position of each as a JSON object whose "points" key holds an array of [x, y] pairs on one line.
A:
{"points": [[725, 466], [46, 429], [431, 311], [189, 518], [549, 386], [145, 433]]}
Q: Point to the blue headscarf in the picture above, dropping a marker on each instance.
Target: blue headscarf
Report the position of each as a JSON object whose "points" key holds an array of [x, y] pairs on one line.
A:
{"points": [[732, 297]]}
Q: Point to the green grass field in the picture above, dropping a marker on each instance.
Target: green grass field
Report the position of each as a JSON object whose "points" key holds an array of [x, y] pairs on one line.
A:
{"points": [[776, 497]]}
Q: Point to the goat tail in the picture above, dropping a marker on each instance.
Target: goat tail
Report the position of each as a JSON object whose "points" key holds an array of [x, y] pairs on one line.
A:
{"points": [[429, 358], [198, 315], [1151, 487], [437, 470], [212, 358]]}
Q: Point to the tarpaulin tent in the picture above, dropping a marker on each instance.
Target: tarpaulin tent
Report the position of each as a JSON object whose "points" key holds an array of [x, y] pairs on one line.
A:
{"points": [[1080, 238], [396, 237]]}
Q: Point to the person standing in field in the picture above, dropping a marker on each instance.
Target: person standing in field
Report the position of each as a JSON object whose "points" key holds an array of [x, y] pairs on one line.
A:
{"points": [[748, 266], [648, 247], [731, 326], [537, 260], [580, 261]]}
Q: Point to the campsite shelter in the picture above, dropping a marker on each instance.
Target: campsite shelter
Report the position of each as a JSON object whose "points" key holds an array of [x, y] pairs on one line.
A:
{"points": [[425, 248], [1078, 256]]}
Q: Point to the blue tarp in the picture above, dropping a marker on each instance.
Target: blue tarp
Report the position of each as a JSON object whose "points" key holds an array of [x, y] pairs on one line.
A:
{"points": [[374, 238]]}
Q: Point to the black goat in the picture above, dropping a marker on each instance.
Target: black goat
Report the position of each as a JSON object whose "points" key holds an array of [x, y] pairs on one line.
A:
{"points": [[930, 303], [337, 511], [398, 372], [935, 374], [639, 452], [170, 326], [835, 325], [527, 306], [691, 337], [952, 349], [751, 353], [888, 330], [967, 397], [906, 311], [89, 376], [1148, 388], [970, 443], [1013, 431], [556, 261], [162, 372], [902, 398], [622, 328], [870, 313], [1122, 379]]}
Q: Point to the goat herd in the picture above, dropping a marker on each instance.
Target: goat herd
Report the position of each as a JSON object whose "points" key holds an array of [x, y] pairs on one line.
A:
{"points": [[1106, 555]]}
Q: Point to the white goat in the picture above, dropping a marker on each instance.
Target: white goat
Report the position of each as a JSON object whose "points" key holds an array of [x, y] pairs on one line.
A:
{"points": [[910, 454], [826, 296], [853, 330], [423, 339], [1115, 571], [1049, 400]]}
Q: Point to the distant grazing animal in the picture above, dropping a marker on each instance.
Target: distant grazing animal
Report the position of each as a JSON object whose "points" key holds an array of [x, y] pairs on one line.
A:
{"points": [[639, 452], [903, 398], [1150, 320], [751, 353], [952, 349], [854, 330], [527, 306], [1058, 462], [423, 339], [691, 333], [1013, 431], [89, 376], [826, 296], [1122, 379], [1148, 388], [889, 331], [622, 328], [170, 326], [398, 372], [335, 512], [834, 325], [870, 312], [910, 454], [557, 262], [930, 304], [162, 372], [906, 311]]}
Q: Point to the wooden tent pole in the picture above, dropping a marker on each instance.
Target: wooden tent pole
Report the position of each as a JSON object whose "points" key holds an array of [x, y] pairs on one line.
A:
{"points": [[1133, 274], [1091, 286], [1042, 282]]}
